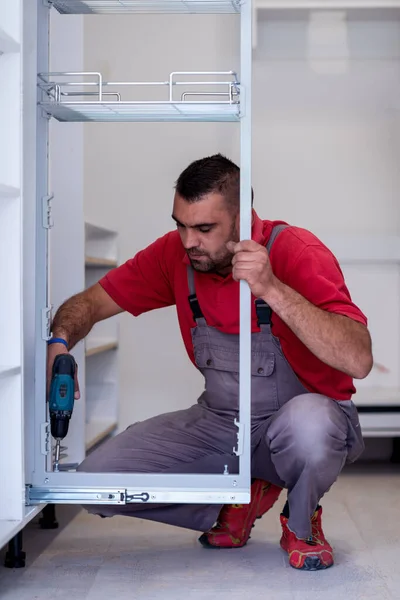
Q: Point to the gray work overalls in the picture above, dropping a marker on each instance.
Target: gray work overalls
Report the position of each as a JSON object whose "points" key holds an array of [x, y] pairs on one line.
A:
{"points": [[299, 440]]}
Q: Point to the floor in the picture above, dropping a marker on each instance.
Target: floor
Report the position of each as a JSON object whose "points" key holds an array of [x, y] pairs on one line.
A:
{"points": [[89, 558]]}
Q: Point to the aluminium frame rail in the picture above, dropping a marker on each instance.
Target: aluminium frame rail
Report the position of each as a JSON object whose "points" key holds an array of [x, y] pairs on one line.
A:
{"points": [[45, 485], [146, 6]]}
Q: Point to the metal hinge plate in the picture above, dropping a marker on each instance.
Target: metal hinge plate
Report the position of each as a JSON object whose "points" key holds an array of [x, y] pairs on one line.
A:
{"points": [[242, 93], [47, 220], [240, 438], [46, 323], [45, 438]]}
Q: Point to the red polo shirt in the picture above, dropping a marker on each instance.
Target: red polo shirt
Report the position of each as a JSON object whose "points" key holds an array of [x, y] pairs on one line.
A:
{"points": [[157, 277]]}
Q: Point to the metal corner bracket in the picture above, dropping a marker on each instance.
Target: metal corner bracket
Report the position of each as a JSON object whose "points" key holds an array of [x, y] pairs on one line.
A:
{"points": [[240, 438]]}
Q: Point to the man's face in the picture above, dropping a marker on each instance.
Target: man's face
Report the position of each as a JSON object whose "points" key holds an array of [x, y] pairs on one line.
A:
{"points": [[205, 227]]}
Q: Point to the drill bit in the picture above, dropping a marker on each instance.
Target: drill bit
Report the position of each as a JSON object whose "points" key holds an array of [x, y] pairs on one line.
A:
{"points": [[57, 455]]}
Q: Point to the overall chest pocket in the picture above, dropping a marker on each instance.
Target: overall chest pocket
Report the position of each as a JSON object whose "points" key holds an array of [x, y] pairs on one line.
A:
{"points": [[222, 359]]}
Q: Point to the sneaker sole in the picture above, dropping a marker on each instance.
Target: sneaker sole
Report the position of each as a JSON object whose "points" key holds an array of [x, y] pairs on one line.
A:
{"points": [[312, 563], [203, 539]]}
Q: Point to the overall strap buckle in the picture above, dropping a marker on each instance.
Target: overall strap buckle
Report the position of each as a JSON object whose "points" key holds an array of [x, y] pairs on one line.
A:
{"points": [[263, 312], [195, 306]]}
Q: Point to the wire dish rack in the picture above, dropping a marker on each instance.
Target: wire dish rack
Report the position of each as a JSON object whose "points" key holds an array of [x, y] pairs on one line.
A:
{"points": [[146, 6], [85, 96]]}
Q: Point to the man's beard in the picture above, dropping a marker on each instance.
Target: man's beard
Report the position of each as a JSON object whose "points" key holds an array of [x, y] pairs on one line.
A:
{"points": [[209, 265], [221, 263]]}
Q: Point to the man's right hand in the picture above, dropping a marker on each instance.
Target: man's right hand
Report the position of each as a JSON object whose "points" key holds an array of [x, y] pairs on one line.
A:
{"points": [[54, 350]]}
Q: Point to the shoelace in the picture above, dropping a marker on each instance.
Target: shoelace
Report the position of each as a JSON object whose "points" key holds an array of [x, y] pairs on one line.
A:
{"points": [[313, 539]]}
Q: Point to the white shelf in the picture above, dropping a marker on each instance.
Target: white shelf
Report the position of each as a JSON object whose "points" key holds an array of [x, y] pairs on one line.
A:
{"points": [[96, 232], [94, 262], [97, 430], [101, 249], [8, 529], [8, 191], [9, 371], [7, 43], [377, 397], [142, 111], [380, 424], [210, 96], [143, 6], [100, 346]]}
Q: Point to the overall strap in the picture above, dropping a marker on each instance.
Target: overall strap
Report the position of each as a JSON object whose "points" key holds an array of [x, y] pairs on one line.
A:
{"points": [[274, 233], [263, 311], [193, 302]]}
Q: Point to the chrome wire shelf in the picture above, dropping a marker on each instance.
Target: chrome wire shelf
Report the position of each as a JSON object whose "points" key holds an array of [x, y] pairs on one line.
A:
{"points": [[146, 6], [214, 98]]}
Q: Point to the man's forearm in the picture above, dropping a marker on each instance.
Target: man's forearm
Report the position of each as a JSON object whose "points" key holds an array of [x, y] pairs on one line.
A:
{"points": [[74, 319], [335, 339]]}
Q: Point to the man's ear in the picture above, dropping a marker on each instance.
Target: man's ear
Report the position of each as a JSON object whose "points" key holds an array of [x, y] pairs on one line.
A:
{"points": [[237, 219]]}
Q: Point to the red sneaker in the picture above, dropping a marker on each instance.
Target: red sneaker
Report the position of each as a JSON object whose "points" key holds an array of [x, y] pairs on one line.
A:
{"points": [[235, 521], [312, 554]]}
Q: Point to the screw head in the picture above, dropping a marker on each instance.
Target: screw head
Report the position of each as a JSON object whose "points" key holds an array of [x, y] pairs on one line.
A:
{"points": [[235, 483], [153, 497], [46, 480]]}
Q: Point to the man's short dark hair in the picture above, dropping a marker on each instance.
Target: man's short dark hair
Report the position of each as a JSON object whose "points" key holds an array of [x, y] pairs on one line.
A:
{"points": [[215, 174]]}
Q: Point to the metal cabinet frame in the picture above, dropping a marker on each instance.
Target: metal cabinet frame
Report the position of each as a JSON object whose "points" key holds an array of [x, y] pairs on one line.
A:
{"points": [[43, 484]]}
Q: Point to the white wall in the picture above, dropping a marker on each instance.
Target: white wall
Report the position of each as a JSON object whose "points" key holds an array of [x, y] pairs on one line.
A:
{"points": [[326, 146], [327, 132]]}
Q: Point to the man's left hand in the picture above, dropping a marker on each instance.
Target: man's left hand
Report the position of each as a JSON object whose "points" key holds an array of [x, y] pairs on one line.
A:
{"points": [[251, 263]]}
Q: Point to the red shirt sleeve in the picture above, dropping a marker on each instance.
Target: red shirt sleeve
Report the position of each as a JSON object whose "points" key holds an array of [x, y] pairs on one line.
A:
{"points": [[314, 272], [144, 282]]}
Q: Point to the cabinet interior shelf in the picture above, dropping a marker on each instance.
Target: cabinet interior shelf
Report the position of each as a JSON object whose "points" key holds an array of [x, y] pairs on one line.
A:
{"points": [[146, 6], [101, 347], [185, 96], [139, 112], [377, 397], [97, 430], [94, 262]]}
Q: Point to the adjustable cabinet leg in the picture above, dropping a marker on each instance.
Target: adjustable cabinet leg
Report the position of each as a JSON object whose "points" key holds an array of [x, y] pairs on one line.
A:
{"points": [[48, 520], [395, 458], [15, 556]]}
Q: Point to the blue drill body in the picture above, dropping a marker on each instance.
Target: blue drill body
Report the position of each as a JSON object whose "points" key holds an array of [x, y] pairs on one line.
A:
{"points": [[61, 400]]}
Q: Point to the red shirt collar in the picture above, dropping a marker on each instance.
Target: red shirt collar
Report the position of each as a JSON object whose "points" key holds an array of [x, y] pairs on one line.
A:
{"points": [[256, 233]]}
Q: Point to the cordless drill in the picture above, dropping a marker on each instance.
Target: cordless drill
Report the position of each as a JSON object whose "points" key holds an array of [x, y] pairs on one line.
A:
{"points": [[61, 400]]}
